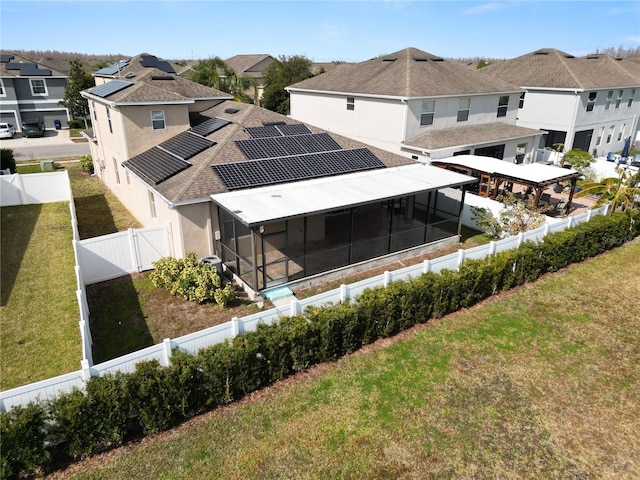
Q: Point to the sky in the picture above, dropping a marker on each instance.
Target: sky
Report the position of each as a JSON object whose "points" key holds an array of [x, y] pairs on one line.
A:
{"points": [[322, 31]]}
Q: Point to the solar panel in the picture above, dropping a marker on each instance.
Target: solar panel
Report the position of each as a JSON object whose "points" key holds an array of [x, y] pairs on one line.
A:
{"points": [[113, 69], [156, 165], [209, 126], [186, 145], [109, 88], [5, 58], [273, 147], [153, 62], [256, 173], [263, 132], [295, 129]]}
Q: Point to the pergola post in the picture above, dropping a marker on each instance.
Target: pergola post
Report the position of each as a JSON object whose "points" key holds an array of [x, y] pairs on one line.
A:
{"points": [[573, 188]]}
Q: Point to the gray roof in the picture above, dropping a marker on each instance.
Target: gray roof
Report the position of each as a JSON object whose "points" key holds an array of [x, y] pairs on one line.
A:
{"points": [[249, 64], [551, 68], [199, 181], [470, 135], [45, 70], [408, 73]]}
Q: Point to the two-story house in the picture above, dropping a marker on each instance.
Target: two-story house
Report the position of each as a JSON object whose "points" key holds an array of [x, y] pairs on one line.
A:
{"points": [[418, 105], [591, 103], [30, 91], [252, 66], [276, 200]]}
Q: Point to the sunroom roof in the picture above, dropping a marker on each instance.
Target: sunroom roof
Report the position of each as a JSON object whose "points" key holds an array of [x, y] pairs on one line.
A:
{"points": [[268, 204]]}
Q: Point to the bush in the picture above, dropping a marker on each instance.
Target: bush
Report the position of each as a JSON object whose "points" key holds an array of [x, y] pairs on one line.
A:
{"points": [[86, 164], [75, 123], [22, 437], [7, 161], [190, 279]]}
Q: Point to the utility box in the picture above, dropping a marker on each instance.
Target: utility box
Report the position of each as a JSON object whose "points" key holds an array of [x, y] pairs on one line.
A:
{"points": [[47, 165], [214, 261]]}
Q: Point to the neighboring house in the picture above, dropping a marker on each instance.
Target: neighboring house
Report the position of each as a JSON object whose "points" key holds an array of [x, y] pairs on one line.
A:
{"points": [[276, 200], [419, 105], [591, 103], [252, 66], [31, 91]]}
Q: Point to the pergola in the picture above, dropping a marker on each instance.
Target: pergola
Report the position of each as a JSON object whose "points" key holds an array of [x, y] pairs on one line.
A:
{"points": [[492, 172]]}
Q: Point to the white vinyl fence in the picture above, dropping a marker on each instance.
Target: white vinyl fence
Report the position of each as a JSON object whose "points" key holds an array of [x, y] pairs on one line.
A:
{"points": [[193, 342], [34, 188]]}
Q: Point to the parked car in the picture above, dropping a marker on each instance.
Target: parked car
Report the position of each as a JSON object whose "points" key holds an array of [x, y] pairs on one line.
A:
{"points": [[33, 128], [7, 130]]}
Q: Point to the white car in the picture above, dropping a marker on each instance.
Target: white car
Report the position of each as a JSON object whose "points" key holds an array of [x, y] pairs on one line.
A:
{"points": [[7, 130]]}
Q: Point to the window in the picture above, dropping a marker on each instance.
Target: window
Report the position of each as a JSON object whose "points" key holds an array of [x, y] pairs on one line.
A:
{"points": [[109, 120], [621, 132], [611, 128], [115, 168], [503, 105], [351, 103], [633, 94], [609, 97], [157, 119], [592, 101], [2, 92], [619, 99], [599, 139], [426, 115], [93, 107], [463, 109], [38, 86], [152, 204], [521, 100]]}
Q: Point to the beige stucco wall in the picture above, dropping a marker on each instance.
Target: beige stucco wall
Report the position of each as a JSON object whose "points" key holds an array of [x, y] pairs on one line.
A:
{"points": [[196, 226]]}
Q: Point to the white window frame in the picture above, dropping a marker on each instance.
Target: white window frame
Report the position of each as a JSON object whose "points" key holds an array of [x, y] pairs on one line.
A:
{"points": [[351, 103], [93, 107], [521, 104], [633, 94], [591, 101], [427, 114], [3, 92], [155, 119], [464, 106], [610, 134], [503, 107], [621, 132], [44, 86], [619, 99], [609, 98], [115, 166], [599, 139]]}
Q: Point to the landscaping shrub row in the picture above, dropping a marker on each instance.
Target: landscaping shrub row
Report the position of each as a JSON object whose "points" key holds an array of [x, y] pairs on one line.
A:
{"points": [[153, 398]]}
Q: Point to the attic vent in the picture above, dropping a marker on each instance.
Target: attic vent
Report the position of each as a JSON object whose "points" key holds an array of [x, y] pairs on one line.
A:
{"points": [[266, 124], [161, 77], [420, 59], [231, 110], [593, 57], [541, 52], [389, 59], [437, 59], [569, 56], [130, 75]]}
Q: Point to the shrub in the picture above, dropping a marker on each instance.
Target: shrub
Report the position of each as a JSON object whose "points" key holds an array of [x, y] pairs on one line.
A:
{"points": [[22, 437], [86, 164], [190, 279], [7, 161], [75, 123]]}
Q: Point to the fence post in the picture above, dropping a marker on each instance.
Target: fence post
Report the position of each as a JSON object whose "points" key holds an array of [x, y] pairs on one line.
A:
{"points": [[460, 257], [387, 278], [344, 292], [235, 327], [133, 244], [295, 307], [166, 352], [426, 266], [492, 248], [570, 223], [546, 230], [520, 238], [589, 212], [86, 370]]}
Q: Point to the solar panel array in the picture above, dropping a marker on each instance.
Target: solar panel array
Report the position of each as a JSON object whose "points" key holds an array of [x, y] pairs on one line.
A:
{"points": [[156, 165], [283, 146], [109, 88], [186, 145], [277, 130], [269, 171], [29, 69], [113, 69], [153, 62], [209, 126]]}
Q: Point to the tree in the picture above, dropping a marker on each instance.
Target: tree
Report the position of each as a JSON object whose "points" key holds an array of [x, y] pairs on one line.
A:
{"points": [[516, 216], [280, 74], [8, 162], [577, 159], [79, 80], [481, 63], [622, 192], [215, 73]]}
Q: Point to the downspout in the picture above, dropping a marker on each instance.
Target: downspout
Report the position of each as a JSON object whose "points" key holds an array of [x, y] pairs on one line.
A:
{"points": [[406, 115]]}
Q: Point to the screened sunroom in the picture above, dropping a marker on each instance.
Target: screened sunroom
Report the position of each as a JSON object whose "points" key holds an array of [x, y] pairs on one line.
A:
{"points": [[275, 235]]}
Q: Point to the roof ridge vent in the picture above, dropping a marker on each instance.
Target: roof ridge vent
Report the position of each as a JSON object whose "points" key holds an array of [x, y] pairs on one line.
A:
{"points": [[437, 59], [420, 59], [541, 52], [389, 59]]}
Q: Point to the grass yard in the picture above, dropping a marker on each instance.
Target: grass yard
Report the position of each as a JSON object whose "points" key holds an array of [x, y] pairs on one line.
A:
{"points": [[541, 382], [39, 335]]}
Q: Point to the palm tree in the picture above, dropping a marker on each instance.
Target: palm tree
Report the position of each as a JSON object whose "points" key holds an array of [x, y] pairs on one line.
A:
{"points": [[215, 73], [621, 193]]}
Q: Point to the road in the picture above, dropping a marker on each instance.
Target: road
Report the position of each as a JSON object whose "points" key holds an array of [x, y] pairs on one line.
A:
{"points": [[55, 144]]}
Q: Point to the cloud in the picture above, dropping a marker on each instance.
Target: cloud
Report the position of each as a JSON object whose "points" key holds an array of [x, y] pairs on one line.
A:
{"points": [[486, 7]]}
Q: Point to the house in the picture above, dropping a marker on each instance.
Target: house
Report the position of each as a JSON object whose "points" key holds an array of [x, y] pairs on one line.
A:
{"points": [[277, 201], [252, 66], [419, 105], [31, 91], [591, 103]]}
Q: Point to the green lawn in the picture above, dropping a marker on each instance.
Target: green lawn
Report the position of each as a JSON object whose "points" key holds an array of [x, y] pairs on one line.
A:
{"points": [[39, 335], [541, 382]]}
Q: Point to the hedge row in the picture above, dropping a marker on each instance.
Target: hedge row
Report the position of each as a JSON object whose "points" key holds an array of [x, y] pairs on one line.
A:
{"points": [[154, 398]]}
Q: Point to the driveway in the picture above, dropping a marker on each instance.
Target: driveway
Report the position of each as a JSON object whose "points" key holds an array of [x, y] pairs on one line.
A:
{"points": [[54, 144]]}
